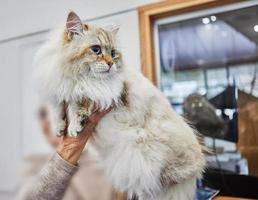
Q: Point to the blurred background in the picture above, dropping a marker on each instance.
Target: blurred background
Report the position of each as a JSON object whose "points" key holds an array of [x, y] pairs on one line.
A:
{"points": [[206, 63]]}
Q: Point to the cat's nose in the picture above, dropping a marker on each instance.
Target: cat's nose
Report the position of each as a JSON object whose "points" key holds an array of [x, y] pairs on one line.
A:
{"points": [[110, 64]]}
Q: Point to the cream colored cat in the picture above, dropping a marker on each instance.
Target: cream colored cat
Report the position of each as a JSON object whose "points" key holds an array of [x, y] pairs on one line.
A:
{"points": [[146, 148]]}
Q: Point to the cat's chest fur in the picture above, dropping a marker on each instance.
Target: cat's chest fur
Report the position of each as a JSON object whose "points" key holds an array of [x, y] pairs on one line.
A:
{"points": [[127, 114], [103, 92]]}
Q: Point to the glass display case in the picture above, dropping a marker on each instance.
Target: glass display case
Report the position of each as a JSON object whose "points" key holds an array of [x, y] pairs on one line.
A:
{"points": [[204, 52]]}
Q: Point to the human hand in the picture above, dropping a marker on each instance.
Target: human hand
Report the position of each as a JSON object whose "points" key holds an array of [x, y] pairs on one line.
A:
{"points": [[70, 148]]}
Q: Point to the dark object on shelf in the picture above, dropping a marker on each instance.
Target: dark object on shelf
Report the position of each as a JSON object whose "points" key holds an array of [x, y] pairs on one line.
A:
{"points": [[202, 114], [226, 101], [231, 184]]}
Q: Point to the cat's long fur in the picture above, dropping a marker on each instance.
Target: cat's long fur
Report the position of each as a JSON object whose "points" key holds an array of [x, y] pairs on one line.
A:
{"points": [[145, 147]]}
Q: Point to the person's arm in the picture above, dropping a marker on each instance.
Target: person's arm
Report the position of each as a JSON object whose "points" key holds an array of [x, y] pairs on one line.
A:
{"points": [[50, 183], [53, 179]]}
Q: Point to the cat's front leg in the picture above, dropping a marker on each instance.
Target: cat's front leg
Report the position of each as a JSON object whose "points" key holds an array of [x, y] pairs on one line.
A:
{"points": [[78, 112], [57, 118]]}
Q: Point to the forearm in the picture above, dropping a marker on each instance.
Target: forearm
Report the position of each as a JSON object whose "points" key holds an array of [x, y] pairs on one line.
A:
{"points": [[51, 182]]}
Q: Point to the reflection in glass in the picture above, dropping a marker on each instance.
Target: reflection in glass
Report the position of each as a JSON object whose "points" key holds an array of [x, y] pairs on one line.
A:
{"points": [[205, 55], [209, 71]]}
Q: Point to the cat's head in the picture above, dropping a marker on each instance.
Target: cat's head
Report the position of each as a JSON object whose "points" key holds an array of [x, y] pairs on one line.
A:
{"points": [[89, 50]]}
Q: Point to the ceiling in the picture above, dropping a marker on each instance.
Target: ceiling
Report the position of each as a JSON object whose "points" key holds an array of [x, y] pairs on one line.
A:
{"points": [[243, 20]]}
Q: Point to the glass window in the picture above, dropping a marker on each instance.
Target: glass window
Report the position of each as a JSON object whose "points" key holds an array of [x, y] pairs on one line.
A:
{"points": [[206, 54]]}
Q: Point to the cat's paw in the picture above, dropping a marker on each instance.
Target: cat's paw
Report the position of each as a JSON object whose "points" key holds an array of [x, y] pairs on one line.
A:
{"points": [[74, 129], [59, 128]]}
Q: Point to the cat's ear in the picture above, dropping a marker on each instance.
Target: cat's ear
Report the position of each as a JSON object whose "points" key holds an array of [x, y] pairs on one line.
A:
{"points": [[114, 28], [74, 25]]}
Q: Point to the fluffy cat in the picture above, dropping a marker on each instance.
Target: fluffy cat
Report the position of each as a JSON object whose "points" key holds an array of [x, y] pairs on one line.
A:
{"points": [[146, 148]]}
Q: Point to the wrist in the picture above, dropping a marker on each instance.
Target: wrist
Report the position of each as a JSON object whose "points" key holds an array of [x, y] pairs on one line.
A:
{"points": [[69, 153]]}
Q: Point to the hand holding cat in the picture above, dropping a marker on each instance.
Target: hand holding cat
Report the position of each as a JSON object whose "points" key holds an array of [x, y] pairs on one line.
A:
{"points": [[70, 148]]}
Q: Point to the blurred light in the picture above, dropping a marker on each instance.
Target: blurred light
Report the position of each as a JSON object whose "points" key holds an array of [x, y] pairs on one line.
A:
{"points": [[205, 20], [229, 113], [213, 18], [256, 28], [218, 112], [202, 91]]}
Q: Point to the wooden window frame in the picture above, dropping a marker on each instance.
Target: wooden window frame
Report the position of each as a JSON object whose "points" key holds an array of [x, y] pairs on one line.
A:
{"points": [[149, 13]]}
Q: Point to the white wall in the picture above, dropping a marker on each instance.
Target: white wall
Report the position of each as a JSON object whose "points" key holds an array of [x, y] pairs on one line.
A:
{"points": [[23, 26], [28, 16]]}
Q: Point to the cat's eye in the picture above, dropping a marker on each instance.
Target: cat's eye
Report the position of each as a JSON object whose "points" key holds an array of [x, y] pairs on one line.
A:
{"points": [[113, 53], [96, 49]]}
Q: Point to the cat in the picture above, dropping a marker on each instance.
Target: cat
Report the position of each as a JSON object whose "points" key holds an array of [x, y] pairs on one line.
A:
{"points": [[146, 148]]}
